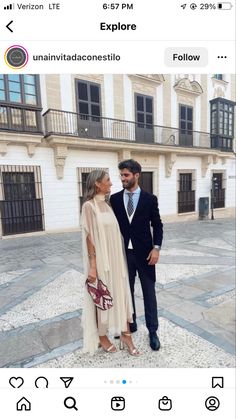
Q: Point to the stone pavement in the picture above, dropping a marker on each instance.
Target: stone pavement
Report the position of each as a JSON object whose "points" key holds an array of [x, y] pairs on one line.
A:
{"points": [[41, 298]]}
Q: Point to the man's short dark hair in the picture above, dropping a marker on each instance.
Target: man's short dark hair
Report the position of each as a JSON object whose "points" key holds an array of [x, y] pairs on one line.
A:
{"points": [[132, 165]]}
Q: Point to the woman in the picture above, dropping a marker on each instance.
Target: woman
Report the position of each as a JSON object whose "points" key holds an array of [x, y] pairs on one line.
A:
{"points": [[104, 259]]}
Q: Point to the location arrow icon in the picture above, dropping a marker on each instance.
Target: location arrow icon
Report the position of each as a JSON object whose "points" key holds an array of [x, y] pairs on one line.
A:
{"points": [[67, 381]]}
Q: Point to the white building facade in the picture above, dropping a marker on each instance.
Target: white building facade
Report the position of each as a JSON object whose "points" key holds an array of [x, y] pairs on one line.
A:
{"points": [[55, 129]]}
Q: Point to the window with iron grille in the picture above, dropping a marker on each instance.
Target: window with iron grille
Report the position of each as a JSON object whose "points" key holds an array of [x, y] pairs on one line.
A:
{"points": [[222, 123], [21, 199], [20, 103], [219, 191], [186, 194]]}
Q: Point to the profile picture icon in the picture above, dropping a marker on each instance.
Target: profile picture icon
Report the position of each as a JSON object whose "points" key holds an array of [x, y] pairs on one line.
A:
{"points": [[212, 403], [16, 57]]}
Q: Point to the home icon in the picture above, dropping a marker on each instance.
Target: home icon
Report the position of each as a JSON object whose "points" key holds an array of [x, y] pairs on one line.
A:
{"points": [[23, 404]]}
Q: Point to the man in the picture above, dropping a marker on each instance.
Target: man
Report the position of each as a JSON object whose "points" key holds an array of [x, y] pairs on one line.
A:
{"points": [[137, 211]]}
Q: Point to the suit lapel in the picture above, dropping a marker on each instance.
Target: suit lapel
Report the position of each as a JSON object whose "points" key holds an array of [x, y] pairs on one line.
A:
{"points": [[122, 205]]}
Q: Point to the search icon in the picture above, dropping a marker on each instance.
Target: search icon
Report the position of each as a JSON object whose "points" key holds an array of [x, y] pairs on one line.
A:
{"points": [[70, 403]]}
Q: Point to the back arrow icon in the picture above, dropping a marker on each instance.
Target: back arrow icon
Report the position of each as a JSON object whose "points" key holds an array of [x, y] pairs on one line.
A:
{"points": [[8, 26]]}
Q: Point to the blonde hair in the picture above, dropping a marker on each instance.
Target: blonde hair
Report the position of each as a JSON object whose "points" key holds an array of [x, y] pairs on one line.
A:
{"points": [[91, 187]]}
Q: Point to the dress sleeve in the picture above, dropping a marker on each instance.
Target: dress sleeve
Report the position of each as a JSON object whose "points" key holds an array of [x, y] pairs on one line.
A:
{"points": [[88, 221]]}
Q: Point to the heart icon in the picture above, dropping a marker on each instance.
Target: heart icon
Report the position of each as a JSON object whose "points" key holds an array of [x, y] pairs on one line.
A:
{"points": [[16, 382]]}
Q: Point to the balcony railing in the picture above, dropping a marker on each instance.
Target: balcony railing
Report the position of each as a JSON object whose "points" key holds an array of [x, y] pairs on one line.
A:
{"points": [[27, 119], [20, 118], [87, 126]]}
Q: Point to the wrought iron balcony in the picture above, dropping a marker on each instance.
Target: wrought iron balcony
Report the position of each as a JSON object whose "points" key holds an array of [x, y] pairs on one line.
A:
{"points": [[20, 118], [64, 123]]}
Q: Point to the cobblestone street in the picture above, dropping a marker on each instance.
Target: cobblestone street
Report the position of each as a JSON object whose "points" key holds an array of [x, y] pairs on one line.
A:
{"points": [[41, 297]]}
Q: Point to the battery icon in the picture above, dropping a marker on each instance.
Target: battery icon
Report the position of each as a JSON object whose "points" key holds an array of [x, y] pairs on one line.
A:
{"points": [[226, 5]]}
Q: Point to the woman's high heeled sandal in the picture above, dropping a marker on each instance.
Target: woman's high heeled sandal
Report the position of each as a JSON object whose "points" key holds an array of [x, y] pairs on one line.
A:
{"points": [[134, 351], [111, 349]]}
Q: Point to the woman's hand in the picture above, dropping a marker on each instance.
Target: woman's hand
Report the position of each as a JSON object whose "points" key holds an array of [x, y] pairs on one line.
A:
{"points": [[92, 274]]}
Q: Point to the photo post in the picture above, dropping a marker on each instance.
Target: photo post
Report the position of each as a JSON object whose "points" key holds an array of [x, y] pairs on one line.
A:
{"points": [[117, 209]]}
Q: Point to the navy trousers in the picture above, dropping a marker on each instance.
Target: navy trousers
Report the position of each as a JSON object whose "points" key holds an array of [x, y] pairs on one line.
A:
{"points": [[147, 278]]}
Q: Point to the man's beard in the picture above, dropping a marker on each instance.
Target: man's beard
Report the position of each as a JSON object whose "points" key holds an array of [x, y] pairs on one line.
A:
{"points": [[130, 183]]}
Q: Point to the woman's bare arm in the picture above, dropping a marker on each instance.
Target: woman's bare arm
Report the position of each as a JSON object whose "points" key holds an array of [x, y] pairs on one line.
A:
{"points": [[92, 274]]}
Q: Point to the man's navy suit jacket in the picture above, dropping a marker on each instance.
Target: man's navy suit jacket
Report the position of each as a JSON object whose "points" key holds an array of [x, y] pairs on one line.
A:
{"points": [[139, 230]]}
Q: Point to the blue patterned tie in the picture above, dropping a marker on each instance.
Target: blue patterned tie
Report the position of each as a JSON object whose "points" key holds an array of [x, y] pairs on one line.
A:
{"points": [[130, 206]]}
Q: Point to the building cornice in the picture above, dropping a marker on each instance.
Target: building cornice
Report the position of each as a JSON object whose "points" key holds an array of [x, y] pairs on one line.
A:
{"points": [[30, 141], [188, 87], [97, 144], [149, 78], [61, 145], [218, 82]]}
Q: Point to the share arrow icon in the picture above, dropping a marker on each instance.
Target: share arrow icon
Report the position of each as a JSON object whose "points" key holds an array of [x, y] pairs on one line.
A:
{"points": [[67, 381]]}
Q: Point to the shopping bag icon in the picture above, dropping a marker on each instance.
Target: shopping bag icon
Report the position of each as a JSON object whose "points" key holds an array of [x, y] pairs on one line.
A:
{"points": [[165, 403]]}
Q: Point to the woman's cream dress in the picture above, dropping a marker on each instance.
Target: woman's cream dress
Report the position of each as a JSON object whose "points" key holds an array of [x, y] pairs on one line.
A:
{"points": [[99, 221]]}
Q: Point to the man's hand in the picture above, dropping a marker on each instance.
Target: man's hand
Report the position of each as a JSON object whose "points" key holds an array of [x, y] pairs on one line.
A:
{"points": [[153, 257]]}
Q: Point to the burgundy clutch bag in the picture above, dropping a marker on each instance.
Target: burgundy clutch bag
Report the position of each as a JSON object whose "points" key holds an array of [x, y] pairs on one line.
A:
{"points": [[100, 294]]}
